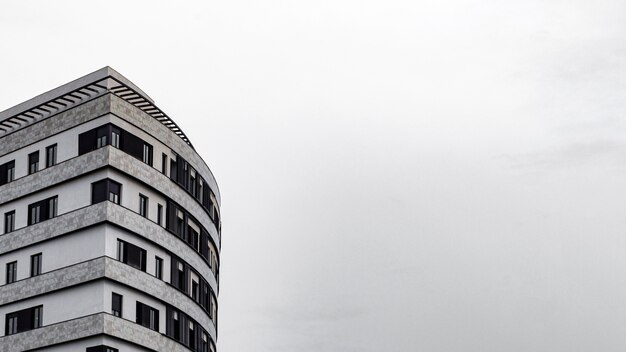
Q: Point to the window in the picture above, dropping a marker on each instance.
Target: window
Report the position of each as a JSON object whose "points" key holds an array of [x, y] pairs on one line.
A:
{"points": [[115, 137], [132, 255], [42, 210], [101, 136], [101, 348], [9, 221], [33, 162], [37, 317], [159, 214], [147, 154], [35, 264], [52, 207], [158, 270], [11, 325], [7, 172], [116, 304], [11, 171], [164, 164], [143, 205], [51, 155], [11, 272], [105, 190], [192, 182], [24, 320], [204, 347], [192, 335], [213, 308], [194, 290], [147, 316]]}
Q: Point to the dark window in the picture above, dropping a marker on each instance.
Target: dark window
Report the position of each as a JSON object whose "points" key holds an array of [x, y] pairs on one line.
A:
{"points": [[51, 155], [204, 343], [147, 154], [35, 264], [9, 221], [101, 137], [159, 214], [193, 237], [7, 172], [174, 169], [42, 210], [24, 320], [174, 320], [213, 308], [11, 272], [105, 190], [164, 164], [33, 162], [147, 316], [132, 255], [158, 270], [192, 335], [101, 348], [178, 274], [10, 171], [116, 304], [194, 290], [115, 136], [143, 205]]}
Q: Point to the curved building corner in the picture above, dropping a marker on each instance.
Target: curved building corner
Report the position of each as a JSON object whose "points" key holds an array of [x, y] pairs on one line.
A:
{"points": [[110, 227]]}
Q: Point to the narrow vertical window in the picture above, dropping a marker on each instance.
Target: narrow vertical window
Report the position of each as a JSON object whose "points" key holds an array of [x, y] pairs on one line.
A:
{"points": [[159, 214], [143, 205], [147, 154], [115, 138], [11, 272], [33, 162], [52, 207], [35, 264], [37, 317], [164, 164], [51, 155], [35, 214], [9, 221], [205, 343], [120, 251], [192, 335], [11, 324], [116, 305], [10, 171], [115, 191], [158, 269]]}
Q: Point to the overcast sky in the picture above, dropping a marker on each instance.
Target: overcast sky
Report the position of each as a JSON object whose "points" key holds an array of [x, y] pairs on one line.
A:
{"points": [[395, 175]]}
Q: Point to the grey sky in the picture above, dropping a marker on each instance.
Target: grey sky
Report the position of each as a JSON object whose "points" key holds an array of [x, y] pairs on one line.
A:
{"points": [[395, 175]]}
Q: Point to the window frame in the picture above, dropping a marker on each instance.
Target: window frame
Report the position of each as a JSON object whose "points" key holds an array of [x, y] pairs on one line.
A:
{"points": [[117, 312], [143, 205], [51, 160], [36, 264], [31, 161], [9, 215], [11, 272]]}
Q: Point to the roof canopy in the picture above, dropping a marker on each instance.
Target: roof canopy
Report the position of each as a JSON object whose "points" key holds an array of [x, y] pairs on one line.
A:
{"points": [[91, 86]]}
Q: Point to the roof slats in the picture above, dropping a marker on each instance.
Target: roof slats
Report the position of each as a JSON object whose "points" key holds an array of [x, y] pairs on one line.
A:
{"points": [[84, 94]]}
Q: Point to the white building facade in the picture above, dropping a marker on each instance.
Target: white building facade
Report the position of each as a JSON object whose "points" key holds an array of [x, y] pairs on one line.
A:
{"points": [[110, 225]]}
